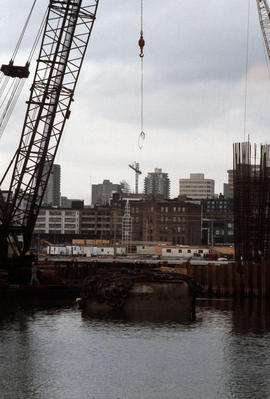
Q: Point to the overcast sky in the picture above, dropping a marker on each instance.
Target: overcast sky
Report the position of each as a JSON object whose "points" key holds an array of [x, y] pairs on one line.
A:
{"points": [[195, 74]]}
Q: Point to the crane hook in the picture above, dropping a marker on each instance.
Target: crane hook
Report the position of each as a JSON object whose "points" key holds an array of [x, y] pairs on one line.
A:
{"points": [[141, 139], [141, 44]]}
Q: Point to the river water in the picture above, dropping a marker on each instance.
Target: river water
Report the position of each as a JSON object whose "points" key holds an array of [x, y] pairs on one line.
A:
{"points": [[55, 352]]}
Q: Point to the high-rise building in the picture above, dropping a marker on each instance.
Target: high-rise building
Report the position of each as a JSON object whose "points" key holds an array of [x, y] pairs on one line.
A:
{"points": [[157, 183], [228, 187], [53, 190], [197, 187], [102, 193]]}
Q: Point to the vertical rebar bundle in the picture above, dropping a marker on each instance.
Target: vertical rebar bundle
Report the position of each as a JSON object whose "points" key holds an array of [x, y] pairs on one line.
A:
{"points": [[251, 183]]}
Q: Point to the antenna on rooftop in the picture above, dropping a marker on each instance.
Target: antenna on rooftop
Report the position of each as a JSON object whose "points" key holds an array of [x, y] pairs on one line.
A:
{"points": [[136, 167]]}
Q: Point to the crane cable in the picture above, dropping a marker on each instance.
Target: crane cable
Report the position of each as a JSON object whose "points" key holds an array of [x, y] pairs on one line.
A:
{"points": [[246, 66], [23, 32], [17, 84], [141, 43]]}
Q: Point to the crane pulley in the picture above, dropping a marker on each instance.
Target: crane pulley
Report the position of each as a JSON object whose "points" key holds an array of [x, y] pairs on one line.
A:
{"points": [[141, 44]]}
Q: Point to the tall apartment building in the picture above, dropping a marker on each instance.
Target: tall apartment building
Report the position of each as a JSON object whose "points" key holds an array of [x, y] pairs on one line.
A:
{"points": [[197, 187], [228, 187], [53, 190], [102, 193], [157, 183]]}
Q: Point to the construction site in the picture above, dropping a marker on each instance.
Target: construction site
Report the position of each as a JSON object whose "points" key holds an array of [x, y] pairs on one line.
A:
{"points": [[64, 34]]}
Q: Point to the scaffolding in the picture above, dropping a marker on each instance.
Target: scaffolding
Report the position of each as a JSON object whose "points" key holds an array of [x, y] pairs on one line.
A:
{"points": [[127, 228], [251, 184]]}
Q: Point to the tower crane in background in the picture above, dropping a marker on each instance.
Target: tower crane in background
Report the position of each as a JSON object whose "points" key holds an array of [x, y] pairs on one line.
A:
{"points": [[136, 167], [264, 16], [67, 30]]}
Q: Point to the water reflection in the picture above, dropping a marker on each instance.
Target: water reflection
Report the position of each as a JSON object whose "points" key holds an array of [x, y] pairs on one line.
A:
{"points": [[53, 351], [246, 346], [247, 315], [159, 315]]}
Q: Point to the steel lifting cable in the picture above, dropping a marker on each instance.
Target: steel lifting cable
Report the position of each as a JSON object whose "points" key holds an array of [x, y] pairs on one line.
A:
{"points": [[23, 32], [246, 78], [37, 38], [17, 84], [141, 43]]}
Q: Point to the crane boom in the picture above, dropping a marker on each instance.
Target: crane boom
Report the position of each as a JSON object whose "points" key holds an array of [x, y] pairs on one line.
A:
{"points": [[264, 16], [66, 34]]}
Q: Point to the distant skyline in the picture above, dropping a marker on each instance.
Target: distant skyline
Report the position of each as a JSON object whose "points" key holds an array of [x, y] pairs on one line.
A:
{"points": [[195, 74]]}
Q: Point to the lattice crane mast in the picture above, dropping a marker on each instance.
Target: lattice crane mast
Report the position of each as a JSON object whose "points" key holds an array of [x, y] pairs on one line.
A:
{"points": [[136, 167], [264, 16], [66, 34]]}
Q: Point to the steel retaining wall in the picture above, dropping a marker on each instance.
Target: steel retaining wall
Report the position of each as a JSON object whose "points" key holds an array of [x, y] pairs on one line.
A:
{"points": [[248, 279]]}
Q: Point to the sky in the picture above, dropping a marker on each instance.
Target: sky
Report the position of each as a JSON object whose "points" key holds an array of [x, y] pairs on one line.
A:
{"points": [[200, 60]]}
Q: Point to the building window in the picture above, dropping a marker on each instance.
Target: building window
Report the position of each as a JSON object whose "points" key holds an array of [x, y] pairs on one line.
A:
{"points": [[168, 250], [52, 212]]}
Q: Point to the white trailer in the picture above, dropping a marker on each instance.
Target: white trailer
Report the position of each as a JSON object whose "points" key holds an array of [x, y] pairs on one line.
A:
{"points": [[56, 250], [73, 250], [184, 252], [90, 251], [105, 251], [121, 251], [146, 250]]}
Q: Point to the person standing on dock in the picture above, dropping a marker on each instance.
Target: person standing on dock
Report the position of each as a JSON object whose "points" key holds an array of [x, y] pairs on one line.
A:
{"points": [[34, 278]]}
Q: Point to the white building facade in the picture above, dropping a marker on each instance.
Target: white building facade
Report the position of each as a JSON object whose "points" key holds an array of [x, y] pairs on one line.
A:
{"points": [[197, 187], [58, 221]]}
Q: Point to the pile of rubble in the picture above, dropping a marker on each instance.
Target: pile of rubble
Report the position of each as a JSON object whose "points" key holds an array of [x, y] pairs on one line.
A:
{"points": [[112, 286]]}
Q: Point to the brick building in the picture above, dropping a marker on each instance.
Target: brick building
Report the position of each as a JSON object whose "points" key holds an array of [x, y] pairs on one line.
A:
{"points": [[173, 221], [217, 221]]}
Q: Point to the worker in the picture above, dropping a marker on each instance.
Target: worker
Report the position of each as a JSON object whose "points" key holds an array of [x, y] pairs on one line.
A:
{"points": [[34, 278]]}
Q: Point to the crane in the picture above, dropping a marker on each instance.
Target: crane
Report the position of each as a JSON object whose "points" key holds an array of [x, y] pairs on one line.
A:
{"points": [[67, 31], [264, 16], [136, 167]]}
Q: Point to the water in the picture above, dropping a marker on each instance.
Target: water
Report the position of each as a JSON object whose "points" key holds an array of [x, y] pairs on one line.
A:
{"points": [[55, 352]]}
